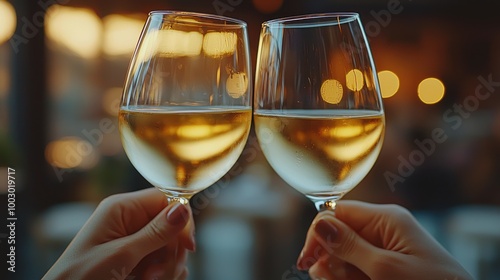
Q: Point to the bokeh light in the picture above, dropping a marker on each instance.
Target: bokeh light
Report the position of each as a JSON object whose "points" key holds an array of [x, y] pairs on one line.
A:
{"points": [[332, 91], [389, 83], [237, 84], [8, 19], [71, 152], [174, 43], [77, 29], [354, 80], [121, 34], [219, 43], [431, 90]]}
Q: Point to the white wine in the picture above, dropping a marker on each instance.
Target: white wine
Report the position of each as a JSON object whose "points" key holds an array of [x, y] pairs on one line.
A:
{"points": [[187, 149], [320, 153]]}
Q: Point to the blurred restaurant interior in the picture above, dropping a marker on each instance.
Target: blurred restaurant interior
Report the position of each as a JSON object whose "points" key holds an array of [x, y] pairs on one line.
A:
{"points": [[62, 68]]}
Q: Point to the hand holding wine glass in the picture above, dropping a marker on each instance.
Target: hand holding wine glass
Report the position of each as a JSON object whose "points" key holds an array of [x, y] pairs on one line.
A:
{"points": [[185, 113], [318, 110]]}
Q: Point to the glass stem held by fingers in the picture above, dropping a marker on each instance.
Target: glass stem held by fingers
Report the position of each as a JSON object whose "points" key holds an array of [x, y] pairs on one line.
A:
{"points": [[185, 112]]}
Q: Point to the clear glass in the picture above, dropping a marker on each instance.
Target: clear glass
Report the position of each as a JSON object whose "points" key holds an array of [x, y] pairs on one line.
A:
{"points": [[318, 110], [186, 108]]}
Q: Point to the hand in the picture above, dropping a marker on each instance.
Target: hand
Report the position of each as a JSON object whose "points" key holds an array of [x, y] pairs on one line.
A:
{"points": [[131, 234], [368, 241]]}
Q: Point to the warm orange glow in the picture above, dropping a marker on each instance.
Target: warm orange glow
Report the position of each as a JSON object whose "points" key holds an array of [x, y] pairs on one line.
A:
{"points": [[354, 80], [219, 43], [120, 34], [111, 100], [71, 152], [389, 83], [8, 21], [77, 29], [174, 43], [332, 91], [431, 90], [267, 6]]}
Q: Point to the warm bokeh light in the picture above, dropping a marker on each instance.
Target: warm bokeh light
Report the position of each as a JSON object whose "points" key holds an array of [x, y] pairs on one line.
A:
{"points": [[71, 152], [111, 100], [389, 83], [8, 19], [332, 91], [237, 85], [174, 43], [431, 90], [120, 34], [77, 29], [354, 80], [219, 43], [267, 6]]}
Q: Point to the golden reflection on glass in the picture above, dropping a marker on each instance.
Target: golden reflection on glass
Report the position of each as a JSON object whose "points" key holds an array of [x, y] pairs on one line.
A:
{"points": [[71, 152], [237, 85], [77, 29], [175, 43], [111, 100], [219, 43], [120, 34], [431, 90], [359, 136], [389, 83], [332, 91], [208, 146], [8, 19], [354, 80]]}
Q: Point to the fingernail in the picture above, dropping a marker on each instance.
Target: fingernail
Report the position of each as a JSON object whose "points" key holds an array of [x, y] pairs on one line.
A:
{"points": [[177, 214], [299, 261], [192, 243], [326, 230]]}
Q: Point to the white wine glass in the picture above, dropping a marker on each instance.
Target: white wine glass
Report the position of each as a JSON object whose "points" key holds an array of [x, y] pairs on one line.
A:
{"points": [[186, 108], [318, 110]]}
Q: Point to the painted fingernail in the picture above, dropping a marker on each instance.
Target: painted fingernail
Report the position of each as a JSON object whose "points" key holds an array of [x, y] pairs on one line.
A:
{"points": [[177, 215], [300, 265], [192, 243], [326, 230]]}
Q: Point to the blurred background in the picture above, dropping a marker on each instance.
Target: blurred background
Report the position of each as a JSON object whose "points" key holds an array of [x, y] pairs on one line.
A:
{"points": [[62, 66]]}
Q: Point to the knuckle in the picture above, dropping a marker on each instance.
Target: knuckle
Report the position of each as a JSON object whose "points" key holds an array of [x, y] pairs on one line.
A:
{"points": [[348, 243], [155, 233]]}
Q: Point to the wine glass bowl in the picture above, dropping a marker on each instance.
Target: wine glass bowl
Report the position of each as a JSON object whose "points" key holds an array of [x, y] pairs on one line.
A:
{"points": [[318, 110], [185, 112]]}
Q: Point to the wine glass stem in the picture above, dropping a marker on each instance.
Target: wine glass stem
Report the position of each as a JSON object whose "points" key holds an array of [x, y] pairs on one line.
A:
{"points": [[173, 199], [324, 205]]}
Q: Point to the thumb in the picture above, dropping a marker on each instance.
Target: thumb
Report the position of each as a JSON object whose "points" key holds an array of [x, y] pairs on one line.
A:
{"points": [[339, 240], [163, 229]]}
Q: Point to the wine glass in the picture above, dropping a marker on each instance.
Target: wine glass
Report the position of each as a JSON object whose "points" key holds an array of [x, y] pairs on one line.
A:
{"points": [[186, 108], [318, 110]]}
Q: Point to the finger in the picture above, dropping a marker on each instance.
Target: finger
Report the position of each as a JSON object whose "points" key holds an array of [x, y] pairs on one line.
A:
{"points": [[312, 250], [338, 240], [164, 228], [186, 237]]}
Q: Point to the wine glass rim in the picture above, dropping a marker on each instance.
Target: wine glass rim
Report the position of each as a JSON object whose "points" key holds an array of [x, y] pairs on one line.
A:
{"points": [[311, 20], [224, 20]]}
